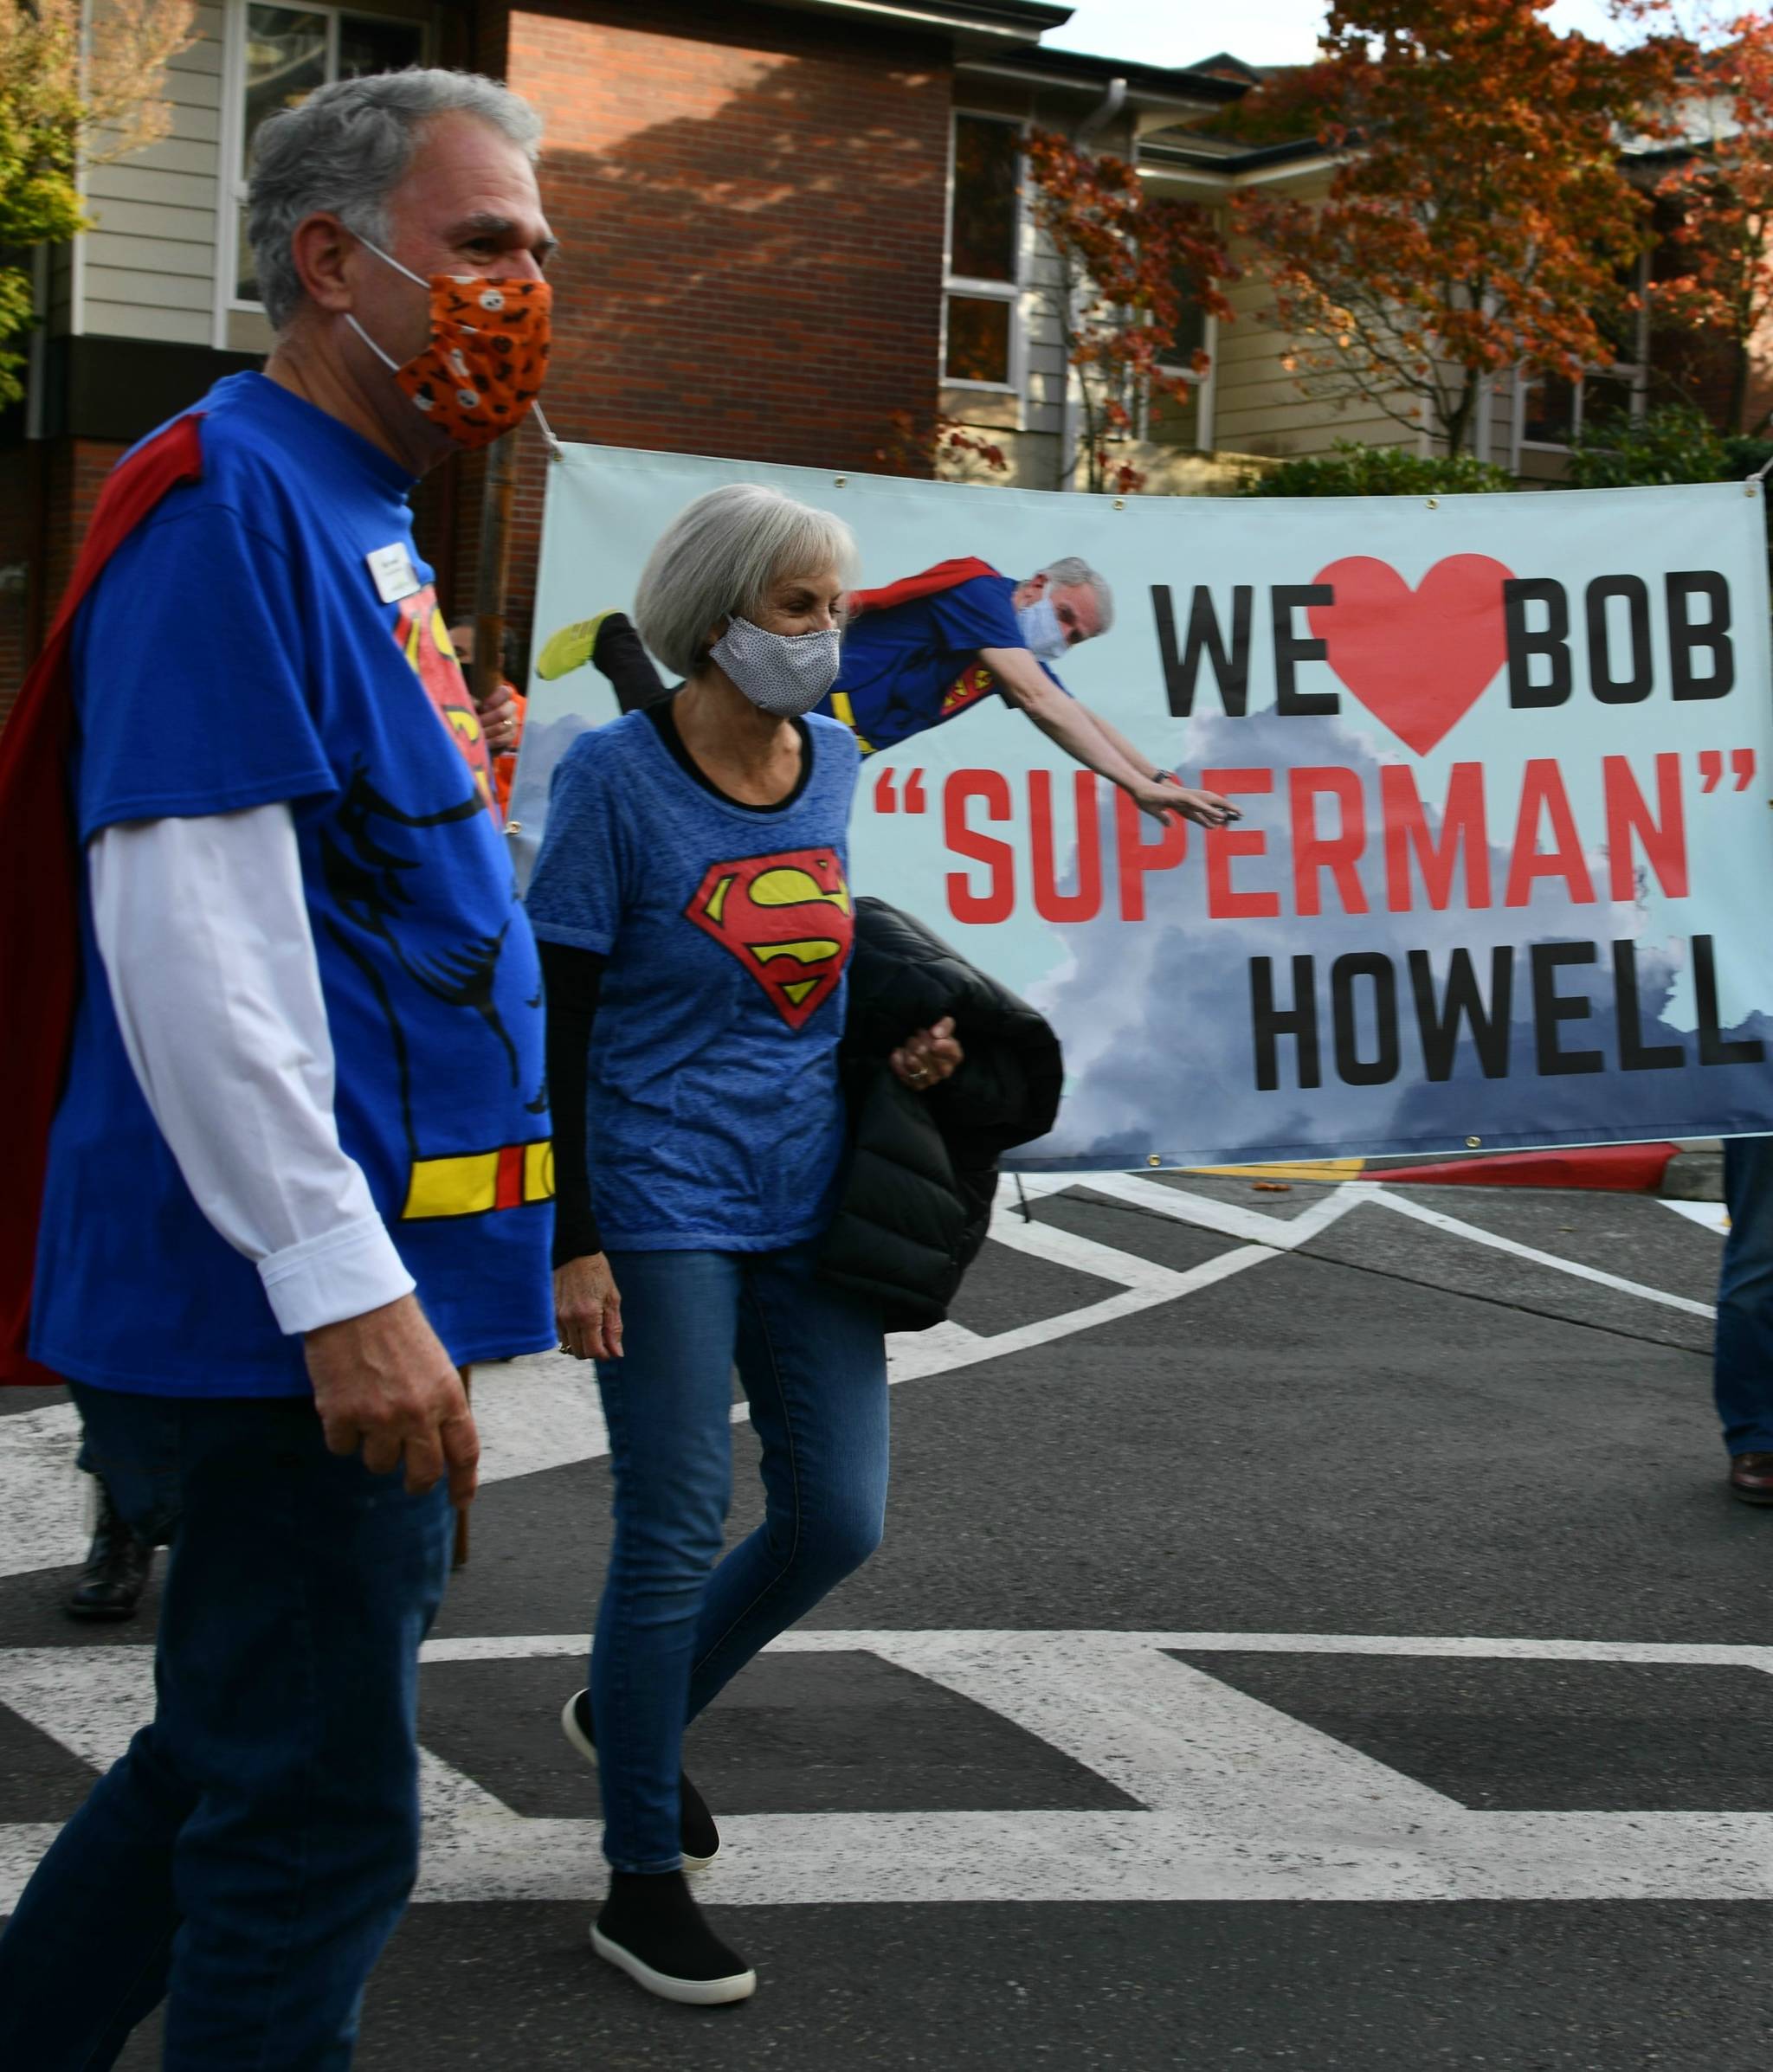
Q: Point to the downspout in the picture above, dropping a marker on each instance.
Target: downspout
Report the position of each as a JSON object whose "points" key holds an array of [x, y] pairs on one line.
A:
{"points": [[1087, 131], [1102, 114]]}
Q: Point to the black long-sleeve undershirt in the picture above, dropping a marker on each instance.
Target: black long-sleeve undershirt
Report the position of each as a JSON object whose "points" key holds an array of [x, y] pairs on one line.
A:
{"points": [[573, 979]]}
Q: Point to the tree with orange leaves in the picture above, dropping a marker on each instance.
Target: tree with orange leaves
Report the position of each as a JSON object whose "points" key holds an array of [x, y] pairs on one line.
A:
{"points": [[1478, 218], [1719, 198], [1127, 265]]}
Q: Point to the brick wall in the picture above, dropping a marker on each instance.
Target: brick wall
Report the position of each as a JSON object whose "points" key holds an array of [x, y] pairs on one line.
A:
{"points": [[752, 213], [751, 204], [46, 493]]}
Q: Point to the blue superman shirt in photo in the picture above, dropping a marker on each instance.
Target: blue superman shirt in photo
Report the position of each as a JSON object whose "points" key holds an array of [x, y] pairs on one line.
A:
{"points": [[911, 666], [714, 1115], [237, 652]]}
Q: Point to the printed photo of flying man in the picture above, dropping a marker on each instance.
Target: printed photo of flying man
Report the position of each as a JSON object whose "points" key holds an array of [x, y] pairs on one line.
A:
{"points": [[919, 652]]}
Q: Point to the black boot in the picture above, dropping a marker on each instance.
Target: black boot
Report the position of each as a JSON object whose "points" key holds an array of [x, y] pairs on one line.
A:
{"points": [[652, 1929], [698, 1836], [111, 1583]]}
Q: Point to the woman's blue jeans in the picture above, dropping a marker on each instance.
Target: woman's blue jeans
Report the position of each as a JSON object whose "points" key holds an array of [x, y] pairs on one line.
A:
{"points": [[670, 1635]]}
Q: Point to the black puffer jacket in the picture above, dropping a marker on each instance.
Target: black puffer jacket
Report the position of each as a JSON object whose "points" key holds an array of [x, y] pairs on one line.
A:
{"points": [[923, 1169]]}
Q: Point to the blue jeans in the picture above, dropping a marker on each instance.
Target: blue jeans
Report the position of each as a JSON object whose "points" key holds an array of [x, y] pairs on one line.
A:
{"points": [[1742, 1367], [813, 1363], [248, 1856]]}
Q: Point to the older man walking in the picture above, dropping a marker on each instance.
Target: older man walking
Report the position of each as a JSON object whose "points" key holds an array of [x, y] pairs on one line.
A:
{"points": [[298, 1178]]}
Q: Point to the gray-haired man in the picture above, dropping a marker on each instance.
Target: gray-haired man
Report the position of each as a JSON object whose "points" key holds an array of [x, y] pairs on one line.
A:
{"points": [[299, 1180]]}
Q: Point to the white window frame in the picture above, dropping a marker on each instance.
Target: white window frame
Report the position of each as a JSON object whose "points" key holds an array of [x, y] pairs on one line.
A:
{"points": [[1636, 376], [1203, 385], [1011, 290], [233, 183], [1636, 373]]}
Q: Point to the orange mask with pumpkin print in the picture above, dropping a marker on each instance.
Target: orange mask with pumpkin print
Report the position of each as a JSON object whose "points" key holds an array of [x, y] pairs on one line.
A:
{"points": [[482, 369]]}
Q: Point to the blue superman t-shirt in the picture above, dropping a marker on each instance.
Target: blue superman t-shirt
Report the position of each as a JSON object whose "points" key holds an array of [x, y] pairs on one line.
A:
{"points": [[908, 667], [713, 1113], [237, 652]]}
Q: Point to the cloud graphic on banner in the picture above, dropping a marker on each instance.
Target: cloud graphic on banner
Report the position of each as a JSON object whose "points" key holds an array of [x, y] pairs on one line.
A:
{"points": [[1155, 1014]]}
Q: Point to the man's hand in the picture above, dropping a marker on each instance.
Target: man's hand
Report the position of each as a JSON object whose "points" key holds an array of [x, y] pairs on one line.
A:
{"points": [[384, 1382], [1160, 798], [927, 1057], [587, 1309], [498, 717]]}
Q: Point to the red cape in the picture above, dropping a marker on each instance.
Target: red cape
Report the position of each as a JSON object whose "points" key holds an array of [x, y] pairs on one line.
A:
{"points": [[40, 862], [945, 576]]}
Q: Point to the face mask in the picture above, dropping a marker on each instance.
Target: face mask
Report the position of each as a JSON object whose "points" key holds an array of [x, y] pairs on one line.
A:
{"points": [[783, 673], [488, 351], [1042, 633]]}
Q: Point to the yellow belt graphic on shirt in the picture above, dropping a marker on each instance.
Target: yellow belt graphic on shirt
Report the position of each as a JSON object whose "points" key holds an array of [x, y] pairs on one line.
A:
{"points": [[476, 1181]]}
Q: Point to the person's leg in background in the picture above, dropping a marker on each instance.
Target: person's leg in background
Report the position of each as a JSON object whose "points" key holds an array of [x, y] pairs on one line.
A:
{"points": [[1743, 1357], [813, 1361], [250, 1853], [115, 1571]]}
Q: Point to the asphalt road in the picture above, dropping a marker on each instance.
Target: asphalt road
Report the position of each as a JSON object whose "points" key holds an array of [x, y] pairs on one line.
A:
{"points": [[1310, 1636]]}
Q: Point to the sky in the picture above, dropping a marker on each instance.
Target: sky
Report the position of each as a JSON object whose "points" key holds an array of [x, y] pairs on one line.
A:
{"points": [[1266, 32]]}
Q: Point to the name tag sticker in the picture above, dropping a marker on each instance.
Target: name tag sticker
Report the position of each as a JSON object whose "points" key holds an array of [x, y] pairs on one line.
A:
{"points": [[392, 572]]}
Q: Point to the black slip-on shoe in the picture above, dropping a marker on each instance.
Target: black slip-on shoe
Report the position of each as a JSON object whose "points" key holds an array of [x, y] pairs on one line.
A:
{"points": [[652, 1928], [698, 1836]]}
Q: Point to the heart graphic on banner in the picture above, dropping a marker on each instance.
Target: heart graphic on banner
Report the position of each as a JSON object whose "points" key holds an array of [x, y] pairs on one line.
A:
{"points": [[1418, 659]]}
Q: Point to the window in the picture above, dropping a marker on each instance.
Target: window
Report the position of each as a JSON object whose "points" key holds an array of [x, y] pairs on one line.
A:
{"points": [[984, 236], [1553, 410], [1180, 421], [284, 54]]}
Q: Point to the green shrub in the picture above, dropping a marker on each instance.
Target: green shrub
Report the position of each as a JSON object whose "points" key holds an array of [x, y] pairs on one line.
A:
{"points": [[1673, 443], [1350, 470], [1744, 457]]}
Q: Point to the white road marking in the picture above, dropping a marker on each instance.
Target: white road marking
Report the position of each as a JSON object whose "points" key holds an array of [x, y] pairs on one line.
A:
{"points": [[46, 1519], [1242, 1802], [1231, 1220], [542, 1412], [1437, 1221], [1709, 1215]]}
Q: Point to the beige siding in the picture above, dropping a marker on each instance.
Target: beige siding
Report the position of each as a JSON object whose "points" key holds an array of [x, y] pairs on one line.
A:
{"points": [[1260, 405], [150, 260]]}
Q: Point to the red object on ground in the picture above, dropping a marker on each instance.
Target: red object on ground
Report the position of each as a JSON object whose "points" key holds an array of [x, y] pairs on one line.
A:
{"points": [[1620, 1168], [40, 865]]}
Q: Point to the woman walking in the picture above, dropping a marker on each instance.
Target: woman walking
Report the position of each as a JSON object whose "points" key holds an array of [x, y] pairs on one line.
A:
{"points": [[693, 903]]}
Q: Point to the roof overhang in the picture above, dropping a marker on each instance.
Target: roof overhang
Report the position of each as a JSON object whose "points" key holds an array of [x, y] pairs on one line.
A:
{"points": [[981, 25], [1170, 92]]}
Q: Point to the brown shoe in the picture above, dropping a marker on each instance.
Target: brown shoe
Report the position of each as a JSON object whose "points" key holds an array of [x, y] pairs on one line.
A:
{"points": [[1751, 1477]]}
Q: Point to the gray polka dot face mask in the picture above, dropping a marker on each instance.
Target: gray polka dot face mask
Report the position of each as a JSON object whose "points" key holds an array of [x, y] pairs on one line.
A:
{"points": [[783, 673]]}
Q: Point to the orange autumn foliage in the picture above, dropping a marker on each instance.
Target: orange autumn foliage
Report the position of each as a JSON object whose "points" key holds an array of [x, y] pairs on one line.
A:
{"points": [[1478, 218]]}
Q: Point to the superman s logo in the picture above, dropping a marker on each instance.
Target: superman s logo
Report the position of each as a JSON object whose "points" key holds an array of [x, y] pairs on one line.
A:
{"points": [[786, 918]]}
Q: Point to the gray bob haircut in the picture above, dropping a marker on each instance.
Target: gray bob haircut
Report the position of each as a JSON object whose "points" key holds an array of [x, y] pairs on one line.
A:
{"points": [[1072, 574], [345, 149], [721, 554]]}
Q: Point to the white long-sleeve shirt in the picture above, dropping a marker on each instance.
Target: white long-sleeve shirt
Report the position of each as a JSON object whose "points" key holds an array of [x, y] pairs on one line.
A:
{"points": [[204, 930]]}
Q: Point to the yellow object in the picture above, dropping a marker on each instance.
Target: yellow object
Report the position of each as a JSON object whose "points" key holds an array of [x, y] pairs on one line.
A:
{"points": [[570, 648], [1326, 1170], [842, 709], [477, 1181]]}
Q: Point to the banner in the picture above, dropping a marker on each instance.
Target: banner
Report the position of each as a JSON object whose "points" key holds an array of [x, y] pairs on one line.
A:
{"points": [[1505, 875]]}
